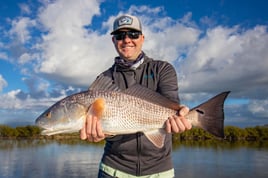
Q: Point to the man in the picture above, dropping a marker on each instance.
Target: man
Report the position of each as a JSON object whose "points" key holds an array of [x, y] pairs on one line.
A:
{"points": [[133, 155]]}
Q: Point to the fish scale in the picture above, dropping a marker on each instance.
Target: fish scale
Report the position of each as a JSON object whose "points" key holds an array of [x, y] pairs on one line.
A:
{"points": [[132, 114]]}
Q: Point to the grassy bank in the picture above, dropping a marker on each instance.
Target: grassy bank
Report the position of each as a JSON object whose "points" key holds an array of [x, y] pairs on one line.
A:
{"points": [[232, 133]]}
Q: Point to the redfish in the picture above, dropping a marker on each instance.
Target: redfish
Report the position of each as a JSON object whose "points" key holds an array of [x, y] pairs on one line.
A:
{"points": [[136, 109]]}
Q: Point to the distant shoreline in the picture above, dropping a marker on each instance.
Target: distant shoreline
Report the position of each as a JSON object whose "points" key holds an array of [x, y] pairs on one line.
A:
{"points": [[232, 133]]}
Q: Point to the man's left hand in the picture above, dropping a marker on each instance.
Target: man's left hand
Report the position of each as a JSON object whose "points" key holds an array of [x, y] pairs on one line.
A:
{"points": [[178, 123]]}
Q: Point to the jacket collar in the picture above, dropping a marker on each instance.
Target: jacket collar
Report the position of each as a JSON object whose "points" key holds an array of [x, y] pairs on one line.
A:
{"points": [[122, 65]]}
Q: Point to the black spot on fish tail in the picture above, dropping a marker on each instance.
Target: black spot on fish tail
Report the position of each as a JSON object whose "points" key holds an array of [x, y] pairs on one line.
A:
{"points": [[199, 111]]}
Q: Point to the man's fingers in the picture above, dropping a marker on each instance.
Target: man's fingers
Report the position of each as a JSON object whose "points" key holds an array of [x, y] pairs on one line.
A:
{"points": [[83, 134], [88, 127], [184, 111], [168, 126], [100, 135], [179, 124], [88, 124], [92, 130], [176, 124], [93, 133], [99, 130], [186, 123]]}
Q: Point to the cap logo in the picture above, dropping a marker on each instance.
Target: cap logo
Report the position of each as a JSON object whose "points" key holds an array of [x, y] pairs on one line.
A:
{"points": [[125, 21]]}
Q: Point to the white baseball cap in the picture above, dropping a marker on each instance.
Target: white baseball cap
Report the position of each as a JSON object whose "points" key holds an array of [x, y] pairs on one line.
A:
{"points": [[126, 21]]}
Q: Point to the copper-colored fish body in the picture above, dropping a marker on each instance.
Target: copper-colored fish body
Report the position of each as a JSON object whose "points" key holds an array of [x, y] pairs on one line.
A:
{"points": [[137, 109]]}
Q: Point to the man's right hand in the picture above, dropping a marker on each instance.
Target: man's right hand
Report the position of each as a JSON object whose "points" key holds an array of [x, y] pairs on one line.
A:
{"points": [[92, 130]]}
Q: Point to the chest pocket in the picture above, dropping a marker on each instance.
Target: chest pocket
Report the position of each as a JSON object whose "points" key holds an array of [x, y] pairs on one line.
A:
{"points": [[147, 77]]}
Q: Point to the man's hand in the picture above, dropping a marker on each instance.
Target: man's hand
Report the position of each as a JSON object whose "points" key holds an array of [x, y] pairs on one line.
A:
{"points": [[178, 123], [92, 129]]}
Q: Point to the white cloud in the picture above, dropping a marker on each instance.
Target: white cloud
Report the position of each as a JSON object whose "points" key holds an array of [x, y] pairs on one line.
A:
{"points": [[145, 9], [3, 83], [25, 57], [221, 58], [259, 107], [13, 101], [227, 58], [20, 29], [25, 8], [166, 38], [3, 54], [72, 54]]}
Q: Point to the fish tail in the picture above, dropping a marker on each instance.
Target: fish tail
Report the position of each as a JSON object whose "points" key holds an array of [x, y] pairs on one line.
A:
{"points": [[211, 114]]}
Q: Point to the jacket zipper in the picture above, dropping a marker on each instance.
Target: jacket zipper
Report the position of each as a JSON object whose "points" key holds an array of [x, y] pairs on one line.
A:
{"points": [[138, 170]]}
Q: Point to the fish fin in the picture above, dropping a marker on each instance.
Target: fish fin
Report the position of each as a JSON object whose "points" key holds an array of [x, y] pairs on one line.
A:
{"points": [[211, 114], [97, 107], [104, 83], [147, 94], [157, 137]]}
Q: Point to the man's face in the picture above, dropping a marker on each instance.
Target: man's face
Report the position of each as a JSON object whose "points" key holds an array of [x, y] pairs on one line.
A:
{"points": [[128, 43]]}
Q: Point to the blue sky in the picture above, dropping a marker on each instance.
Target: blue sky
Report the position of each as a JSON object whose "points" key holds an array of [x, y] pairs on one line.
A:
{"points": [[52, 48]]}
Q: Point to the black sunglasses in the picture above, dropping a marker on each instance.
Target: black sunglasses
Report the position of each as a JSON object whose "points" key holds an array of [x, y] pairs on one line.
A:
{"points": [[131, 34]]}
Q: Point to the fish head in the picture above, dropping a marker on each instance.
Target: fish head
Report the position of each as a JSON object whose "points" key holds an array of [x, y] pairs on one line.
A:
{"points": [[62, 117]]}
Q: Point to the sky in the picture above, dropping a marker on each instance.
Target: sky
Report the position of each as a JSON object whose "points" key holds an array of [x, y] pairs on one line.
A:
{"points": [[50, 49]]}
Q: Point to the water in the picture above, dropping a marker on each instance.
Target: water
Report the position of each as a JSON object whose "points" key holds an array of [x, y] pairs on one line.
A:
{"points": [[46, 158]]}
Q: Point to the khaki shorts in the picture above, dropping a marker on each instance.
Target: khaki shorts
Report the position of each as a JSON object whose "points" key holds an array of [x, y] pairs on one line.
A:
{"points": [[119, 174]]}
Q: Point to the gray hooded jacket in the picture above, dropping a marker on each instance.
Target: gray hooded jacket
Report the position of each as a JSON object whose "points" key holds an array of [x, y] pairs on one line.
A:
{"points": [[134, 153]]}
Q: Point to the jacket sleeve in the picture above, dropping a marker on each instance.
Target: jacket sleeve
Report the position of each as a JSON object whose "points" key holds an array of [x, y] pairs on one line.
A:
{"points": [[168, 82], [102, 80]]}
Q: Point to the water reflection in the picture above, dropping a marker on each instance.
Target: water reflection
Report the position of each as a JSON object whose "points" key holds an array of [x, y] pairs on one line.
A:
{"points": [[46, 158], [221, 159], [216, 144], [75, 158], [212, 144]]}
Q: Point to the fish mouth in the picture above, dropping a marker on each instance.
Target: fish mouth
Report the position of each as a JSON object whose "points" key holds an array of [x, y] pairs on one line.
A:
{"points": [[58, 128], [50, 132], [45, 130]]}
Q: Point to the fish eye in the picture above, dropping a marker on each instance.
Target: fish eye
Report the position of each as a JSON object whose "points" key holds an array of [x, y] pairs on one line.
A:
{"points": [[48, 115]]}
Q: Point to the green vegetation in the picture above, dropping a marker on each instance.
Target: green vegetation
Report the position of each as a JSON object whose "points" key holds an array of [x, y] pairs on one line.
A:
{"points": [[18, 132], [232, 133]]}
